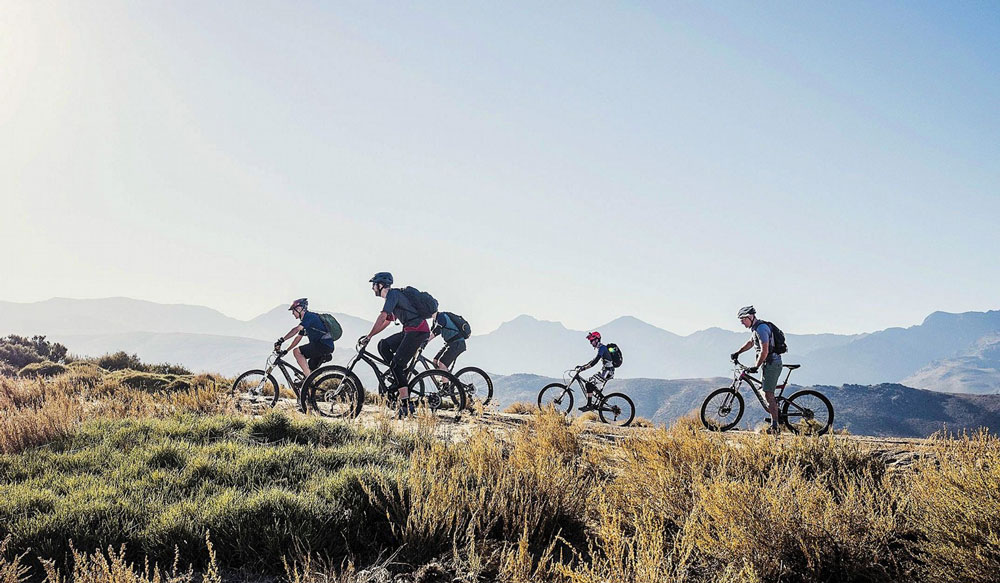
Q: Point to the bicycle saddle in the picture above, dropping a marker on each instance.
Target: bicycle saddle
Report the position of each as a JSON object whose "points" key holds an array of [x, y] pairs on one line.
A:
{"points": [[791, 366]]}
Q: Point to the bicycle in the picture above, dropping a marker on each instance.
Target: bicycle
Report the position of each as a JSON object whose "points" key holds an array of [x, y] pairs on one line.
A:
{"points": [[260, 387], [614, 409], [805, 412], [332, 385], [474, 380]]}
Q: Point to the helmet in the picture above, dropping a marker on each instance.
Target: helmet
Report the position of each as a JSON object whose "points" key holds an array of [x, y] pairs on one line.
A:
{"points": [[594, 336], [382, 277], [299, 303], [746, 311]]}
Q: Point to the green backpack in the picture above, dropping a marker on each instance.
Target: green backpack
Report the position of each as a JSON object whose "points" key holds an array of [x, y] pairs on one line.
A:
{"points": [[332, 326]]}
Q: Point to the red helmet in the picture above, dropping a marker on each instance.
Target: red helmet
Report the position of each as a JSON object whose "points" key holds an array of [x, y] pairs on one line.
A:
{"points": [[299, 303], [594, 336]]}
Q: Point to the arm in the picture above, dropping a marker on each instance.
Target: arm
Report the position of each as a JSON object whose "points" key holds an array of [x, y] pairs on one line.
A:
{"points": [[765, 348], [381, 323], [292, 332], [745, 347], [591, 363]]}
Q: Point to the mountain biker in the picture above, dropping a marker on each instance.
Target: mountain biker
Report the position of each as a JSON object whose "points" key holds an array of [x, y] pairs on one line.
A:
{"points": [[398, 349], [762, 340], [607, 369], [320, 346], [454, 340]]}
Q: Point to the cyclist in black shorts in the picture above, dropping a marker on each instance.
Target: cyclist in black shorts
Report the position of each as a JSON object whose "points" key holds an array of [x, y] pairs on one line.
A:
{"points": [[454, 341], [320, 345]]}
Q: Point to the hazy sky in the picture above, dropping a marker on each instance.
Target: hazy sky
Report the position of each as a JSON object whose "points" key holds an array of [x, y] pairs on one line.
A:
{"points": [[837, 163]]}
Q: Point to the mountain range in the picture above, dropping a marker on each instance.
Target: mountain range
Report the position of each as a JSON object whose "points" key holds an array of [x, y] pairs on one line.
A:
{"points": [[946, 352]]}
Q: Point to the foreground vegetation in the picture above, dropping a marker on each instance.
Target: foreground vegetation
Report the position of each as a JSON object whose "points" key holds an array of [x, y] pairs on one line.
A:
{"points": [[105, 480]]}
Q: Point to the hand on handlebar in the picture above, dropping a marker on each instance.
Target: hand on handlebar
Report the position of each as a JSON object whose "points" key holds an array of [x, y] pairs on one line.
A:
{"points": [[363, 341], [735, 357], [751, 369]]}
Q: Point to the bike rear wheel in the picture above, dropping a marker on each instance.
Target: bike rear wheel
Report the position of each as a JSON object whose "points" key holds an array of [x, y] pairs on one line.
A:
{"points": [[437, 388], [255, 389], [616, 409], [807, 412], [722, 410], [335, 392], [477, 384], [557, 396]]}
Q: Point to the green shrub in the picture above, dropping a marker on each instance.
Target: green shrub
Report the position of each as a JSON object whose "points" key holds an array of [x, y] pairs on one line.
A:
{"points": [[19, 351], [6, 370], [42, 369]]}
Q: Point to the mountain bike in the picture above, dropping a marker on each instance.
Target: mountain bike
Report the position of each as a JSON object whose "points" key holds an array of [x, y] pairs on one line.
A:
{"points": [[258, 387], [332, 386], [614, 409], [475, 381], [806, 412]]}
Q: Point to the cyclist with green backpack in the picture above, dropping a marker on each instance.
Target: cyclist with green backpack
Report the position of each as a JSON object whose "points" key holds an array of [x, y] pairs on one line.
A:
{"points": [[320, 333], [610, 357], [769, 342], [411, 308], [455, 330]]}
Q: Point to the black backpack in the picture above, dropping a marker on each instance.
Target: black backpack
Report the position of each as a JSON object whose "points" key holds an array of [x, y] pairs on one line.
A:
{"points": [[461, 323], [780, 347], [616, 354], [423, 302]]}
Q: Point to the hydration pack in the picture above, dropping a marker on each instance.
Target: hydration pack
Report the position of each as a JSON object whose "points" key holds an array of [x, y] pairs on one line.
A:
{"points": [[423, 303], [461, 323], [332, 326], [777, 337], [616, 354]]}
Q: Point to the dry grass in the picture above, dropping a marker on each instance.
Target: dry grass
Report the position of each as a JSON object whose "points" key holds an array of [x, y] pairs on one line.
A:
{"points": [[521, 408], [540, 503]]}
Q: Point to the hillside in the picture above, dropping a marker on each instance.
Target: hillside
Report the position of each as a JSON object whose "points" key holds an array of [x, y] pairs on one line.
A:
{"points": [[879, 410]]}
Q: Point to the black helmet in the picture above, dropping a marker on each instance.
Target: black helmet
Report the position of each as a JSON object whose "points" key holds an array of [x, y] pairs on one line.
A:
{"points": [[746, 311], [301, 302], [382, 278]]}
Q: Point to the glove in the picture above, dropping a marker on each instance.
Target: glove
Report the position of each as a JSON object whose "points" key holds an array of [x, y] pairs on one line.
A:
{"points": [[278, 342], [363, 341], [734, 356], [281, 352], [752, 369]]}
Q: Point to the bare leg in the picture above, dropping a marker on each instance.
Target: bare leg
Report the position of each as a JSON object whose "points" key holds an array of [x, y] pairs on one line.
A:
{"points": [[303, 363], [772, 408]]}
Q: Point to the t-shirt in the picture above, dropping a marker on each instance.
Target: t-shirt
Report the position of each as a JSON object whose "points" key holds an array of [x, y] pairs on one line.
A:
{"points": [[762, 335], [605, 354], [397, 304], [315, 330], [444, 326]]}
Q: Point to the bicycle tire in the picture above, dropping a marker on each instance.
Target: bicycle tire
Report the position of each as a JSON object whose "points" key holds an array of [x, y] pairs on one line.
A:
{"points": [[482, 388], [725, 407], [335, 392], [612, 410], [427, 387], [244, 382], [556, 395], [811, 424]]}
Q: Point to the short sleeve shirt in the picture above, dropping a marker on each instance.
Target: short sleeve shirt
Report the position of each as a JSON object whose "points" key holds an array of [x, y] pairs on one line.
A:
{"points": [[446, 328], [400, 307], [315, 330], [762, 335]]}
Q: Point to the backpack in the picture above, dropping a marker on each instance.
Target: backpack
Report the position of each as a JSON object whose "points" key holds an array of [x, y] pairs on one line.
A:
{"points": [[332, 326], [423, 302], [461, 323], [616, 354], [778, 337]]}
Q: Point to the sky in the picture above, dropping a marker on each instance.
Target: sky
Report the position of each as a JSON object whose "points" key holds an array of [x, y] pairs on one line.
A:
{"points": [[835, 164]]}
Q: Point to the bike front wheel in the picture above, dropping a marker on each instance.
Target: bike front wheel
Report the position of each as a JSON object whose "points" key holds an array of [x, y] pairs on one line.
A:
{"points": [[617, 409], [437, 388], [335, 392], [255, 389], [807, 412], [477, 384], [557, 396], [722, 410]]}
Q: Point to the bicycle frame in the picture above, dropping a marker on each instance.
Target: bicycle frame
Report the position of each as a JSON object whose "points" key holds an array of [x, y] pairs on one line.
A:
{"points": [[740, 376], [276, 361]]}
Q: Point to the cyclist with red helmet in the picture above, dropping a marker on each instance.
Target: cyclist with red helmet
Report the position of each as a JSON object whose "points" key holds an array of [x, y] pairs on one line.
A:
{"points": [[607, 369], [320, 346]]}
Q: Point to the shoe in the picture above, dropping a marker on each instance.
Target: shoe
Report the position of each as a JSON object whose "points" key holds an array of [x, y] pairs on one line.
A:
{"points": [[773, 430], [587, 407], [413, 407]]}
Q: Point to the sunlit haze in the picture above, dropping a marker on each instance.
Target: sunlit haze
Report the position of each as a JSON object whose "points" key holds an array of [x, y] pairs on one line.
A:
{"points": [[836, 164]]}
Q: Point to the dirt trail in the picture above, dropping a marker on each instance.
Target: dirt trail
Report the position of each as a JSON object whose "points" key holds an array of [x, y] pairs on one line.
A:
{"points": [[897, 451]]}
